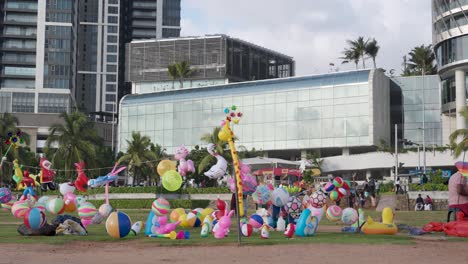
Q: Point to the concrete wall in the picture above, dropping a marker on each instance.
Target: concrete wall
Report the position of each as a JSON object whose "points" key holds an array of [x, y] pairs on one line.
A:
{"points": [[379, 103]]}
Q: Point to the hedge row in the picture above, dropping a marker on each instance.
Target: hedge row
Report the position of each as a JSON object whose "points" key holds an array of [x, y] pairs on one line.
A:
{"points": [[146, 203], [151, 189], [429, 187]]}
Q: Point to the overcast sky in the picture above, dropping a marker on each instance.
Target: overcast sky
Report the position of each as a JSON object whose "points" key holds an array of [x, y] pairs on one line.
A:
{"points": [[314, 31]]}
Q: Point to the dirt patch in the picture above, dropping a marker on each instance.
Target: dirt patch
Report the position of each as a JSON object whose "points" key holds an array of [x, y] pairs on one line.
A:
{"points": [[426, 252]]}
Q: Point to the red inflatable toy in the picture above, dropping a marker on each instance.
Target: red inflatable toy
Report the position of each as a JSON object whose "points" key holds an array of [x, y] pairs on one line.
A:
{"points": [[81, 182]]}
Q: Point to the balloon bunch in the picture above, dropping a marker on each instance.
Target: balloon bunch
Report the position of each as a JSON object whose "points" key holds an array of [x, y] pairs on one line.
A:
{"points": [[262, 194], [185, 166], [337, 189], [249, 183], [171, 179], [31, 212]]}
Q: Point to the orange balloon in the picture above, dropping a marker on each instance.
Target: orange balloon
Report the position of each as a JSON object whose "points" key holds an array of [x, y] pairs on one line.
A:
{"points": [[164, 166], [70, 208]]}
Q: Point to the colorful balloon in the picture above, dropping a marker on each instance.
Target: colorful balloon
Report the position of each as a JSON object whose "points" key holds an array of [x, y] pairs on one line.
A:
{"points": [[293, 206], [69, 198], [333, 195], [55, 206], [279, 197], [329, 187], [317, 199], [192, 220], [43, 200], [5, 195], [342, 191], [171, 180], [349, 216], [261, 195], [118, 225], [247, 230], [40, 206], [164, 166], [175, 214], [70, 208], [7, 206], [105, 210], [87, 211], [34, 219], [19, 209], [67, 187], [160, 207], [334, 213], [183, 221], [338, 182], [256, 221]]}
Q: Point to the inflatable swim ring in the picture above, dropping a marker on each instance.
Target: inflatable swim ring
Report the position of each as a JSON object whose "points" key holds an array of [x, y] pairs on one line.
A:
{"points": [[387, 227]]}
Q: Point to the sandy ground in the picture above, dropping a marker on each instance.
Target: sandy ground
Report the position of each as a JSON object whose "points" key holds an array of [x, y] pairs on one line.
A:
{"points": [[426, 252]]}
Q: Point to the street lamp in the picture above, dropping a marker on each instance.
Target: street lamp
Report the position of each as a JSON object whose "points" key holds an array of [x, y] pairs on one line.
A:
{"points": [[423, 146]]}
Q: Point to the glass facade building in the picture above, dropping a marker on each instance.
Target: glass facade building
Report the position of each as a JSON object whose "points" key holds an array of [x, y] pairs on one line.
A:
{"points": [[337, 110]]}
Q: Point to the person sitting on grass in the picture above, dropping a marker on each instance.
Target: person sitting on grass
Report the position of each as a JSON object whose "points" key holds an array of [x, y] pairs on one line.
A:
{"points": [[419, 203], [428, 203], [458, 193]]}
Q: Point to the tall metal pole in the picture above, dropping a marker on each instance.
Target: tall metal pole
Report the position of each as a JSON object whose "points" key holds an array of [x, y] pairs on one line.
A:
{"points": [[419, 160], [396, 152], [424, 125]]}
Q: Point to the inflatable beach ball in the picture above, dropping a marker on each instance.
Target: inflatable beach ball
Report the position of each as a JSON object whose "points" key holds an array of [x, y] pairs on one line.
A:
{"points": [[160, 207], [334, 195], [40, 206], [34, 218], [105, 210], [19, 209], [256, 221], [329, 187], [7, 206], [175, 214], [43, 199], [118, 225], [279, 197], [5, 195], [338, 182], [261, 195], [317, 199], [55, 206], [349, 216], [334, 213], [87, 211], [247, 230], [293, 206], [192, 220]]}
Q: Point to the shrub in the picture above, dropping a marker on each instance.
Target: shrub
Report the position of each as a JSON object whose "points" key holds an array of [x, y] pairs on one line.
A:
{"points": [[429, 187], [146, 203], [150, 189], [386, 187]]}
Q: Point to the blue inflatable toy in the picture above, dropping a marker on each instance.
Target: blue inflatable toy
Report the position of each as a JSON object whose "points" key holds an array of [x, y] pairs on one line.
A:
{"points": [[307, 224], [151, 224]]}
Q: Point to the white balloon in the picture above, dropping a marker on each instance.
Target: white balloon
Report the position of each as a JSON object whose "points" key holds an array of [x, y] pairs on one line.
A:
{"points": [[67, 187]]}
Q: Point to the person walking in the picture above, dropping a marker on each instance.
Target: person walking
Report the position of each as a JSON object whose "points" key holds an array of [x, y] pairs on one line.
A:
{"points": [[377, 187], [397, 185]]}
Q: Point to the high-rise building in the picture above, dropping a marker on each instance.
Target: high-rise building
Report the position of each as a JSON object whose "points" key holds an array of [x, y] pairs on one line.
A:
{"points": [[145, 19], [98, 60], [38, 50], [450, 41]]}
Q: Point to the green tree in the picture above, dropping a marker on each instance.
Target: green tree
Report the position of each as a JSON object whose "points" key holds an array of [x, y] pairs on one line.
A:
{"points": [[421, 61], [180, 71], [139, 156], [350, 55], [459, 137], [372, 49], [73, 141], [220, 149], [358, 46]]}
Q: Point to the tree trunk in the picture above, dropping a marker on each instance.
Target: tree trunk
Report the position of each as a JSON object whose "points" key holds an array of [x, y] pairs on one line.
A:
{"points": [[363, 61], [375, 65]]}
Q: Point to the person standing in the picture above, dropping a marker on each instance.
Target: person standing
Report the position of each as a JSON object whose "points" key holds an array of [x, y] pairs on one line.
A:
{"points": [[397, 185], [377, 187]]}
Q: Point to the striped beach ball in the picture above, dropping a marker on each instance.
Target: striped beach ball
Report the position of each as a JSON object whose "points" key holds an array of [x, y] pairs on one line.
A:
{"points": [[118, 225], [7, 206], [349, 216], [40, 206], [5, 195], [247, 230], [334, 213], [34, 218], [19, 209], [55, 206], [160, 207], [87, 211]]}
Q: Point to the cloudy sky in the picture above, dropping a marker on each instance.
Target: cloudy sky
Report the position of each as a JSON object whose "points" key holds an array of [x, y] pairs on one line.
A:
{"points": [[314, 31]]}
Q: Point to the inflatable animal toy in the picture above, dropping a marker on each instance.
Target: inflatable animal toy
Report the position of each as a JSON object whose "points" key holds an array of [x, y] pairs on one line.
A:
{"points": [[219, 169], [81, 182], [185, 166], [223, 225], [46, 175], [387, 227], [307, 224]]}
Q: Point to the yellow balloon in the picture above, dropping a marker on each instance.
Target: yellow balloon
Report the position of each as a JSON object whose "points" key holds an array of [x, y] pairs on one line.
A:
{"points": [[183, 221], [171, 180], [164, 166], [175, 214], [205, 212], [70, 208]]}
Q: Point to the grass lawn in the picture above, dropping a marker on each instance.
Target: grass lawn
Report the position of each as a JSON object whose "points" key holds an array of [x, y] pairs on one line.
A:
{"points": [[97, 233]]}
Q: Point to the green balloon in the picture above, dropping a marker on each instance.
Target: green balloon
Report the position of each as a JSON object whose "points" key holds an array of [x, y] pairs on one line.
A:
{"points": [[171, 180]]}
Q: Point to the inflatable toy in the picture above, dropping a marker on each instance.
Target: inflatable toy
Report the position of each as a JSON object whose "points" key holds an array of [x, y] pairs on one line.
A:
{"points": [[317, 199], [19, 209], [183, 235], [290, 230], [118, 225], [151, 223], [226, 134], [318, 212], [281, 224], [261, 195], [349, 216], [192, 220], [87, 211], [164, 227], [105, 180], [164, 166], [171, 180], [307, 224], [206, 212], [175, 214], [256, 221], [46, 175], [28, 183], [333, 213], [81, 182], [160, 206], [334, 195], [329, 187], [265, 232], [7, 206], [5, 195], [40, 206], [342, 191], [293, 207], [136, 227], [69, 198], [387, 227], [172, 235], [249, 183], [105, 210], [462, 168], [67, 187], [185, 166], [219, 169], [206, 226], [279, 197], [456, 228], [34, 218], [338, 182], [18, 174], [247, 230], [223, 225]]}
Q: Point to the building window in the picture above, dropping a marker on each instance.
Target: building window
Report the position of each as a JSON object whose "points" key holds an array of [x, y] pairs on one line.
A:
{"points": [[111, 48], [13, 83], [112, 29], [111, 68], [110, 97], [111, 78], [111, 58], [53, 103], [23, 102], [111, 39], [21, 71], [110, 88], [112, 19], [113, 10]]}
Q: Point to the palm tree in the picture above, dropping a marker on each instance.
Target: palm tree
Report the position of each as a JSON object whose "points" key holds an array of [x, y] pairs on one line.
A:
{"points": [[461, 134], [372, 49], [350, 55], [138, 155], [358, 46], [422, 60], [76, 140], [406, 70], [180, 71]]}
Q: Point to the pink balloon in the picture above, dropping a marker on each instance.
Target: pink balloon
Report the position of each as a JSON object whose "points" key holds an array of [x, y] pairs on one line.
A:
{"points": [[86, 222], [69, 198]]}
